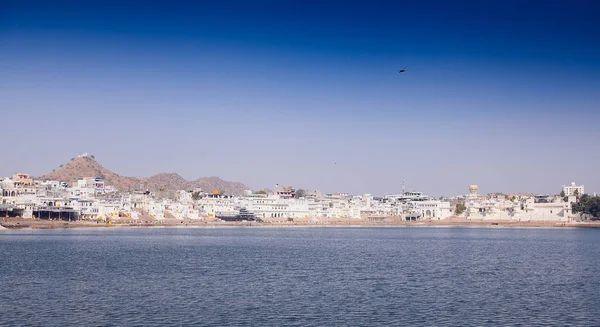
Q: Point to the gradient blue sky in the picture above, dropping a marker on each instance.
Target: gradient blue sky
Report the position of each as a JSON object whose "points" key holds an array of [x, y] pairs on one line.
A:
{"points": [[503, 94]]}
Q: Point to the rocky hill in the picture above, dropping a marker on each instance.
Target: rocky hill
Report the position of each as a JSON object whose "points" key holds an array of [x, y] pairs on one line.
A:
{"points": [[88, 167], [167, 181]]}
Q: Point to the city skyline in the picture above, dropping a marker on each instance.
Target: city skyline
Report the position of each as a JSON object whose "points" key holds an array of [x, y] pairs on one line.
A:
{"points": [[498, 95], [404, 188]]}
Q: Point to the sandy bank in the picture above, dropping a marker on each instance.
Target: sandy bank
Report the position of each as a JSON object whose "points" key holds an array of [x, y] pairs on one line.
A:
{"points": [[19, 223]]}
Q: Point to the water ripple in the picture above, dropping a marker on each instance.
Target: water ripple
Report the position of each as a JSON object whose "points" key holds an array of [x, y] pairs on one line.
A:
{"points": [[300, 277]]}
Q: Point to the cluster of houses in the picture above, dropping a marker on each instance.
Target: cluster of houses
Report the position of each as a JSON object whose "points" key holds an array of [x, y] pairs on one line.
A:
{"points": [[522, 207], [90, 199]]}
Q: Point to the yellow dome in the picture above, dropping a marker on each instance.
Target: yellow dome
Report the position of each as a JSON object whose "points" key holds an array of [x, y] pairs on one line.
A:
{"points": [[473, 188]]}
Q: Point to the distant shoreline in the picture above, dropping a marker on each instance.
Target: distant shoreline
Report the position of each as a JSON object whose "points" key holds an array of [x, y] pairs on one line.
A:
{"points": [[20, 223]]}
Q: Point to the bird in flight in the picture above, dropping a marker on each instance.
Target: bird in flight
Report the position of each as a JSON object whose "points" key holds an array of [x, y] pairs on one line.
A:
{"points": [[402, 70]]}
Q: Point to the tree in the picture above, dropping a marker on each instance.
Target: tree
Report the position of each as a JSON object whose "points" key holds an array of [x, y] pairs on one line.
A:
{"points": [[589, 205], [562, 193], [61, 166], [72, 159], [460, 208], [196, 195], [300, 193], [92, 156], [576, 193]]}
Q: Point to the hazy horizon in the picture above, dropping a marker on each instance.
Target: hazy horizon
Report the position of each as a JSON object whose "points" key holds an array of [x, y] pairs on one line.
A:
{"points": [[503, 95]]}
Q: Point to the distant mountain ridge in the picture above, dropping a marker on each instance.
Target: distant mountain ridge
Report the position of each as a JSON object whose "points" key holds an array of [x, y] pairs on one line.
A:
{"points": [[88, 167]]}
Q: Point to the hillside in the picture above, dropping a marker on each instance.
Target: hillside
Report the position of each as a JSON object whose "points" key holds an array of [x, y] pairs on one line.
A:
{"points": [[87, 167], [167, 181]]}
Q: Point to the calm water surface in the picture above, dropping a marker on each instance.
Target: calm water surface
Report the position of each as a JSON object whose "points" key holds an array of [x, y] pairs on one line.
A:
{"points": [[300, 277]]}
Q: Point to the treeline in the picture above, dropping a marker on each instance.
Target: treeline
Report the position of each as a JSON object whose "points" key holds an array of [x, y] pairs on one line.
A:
{"points": [[588, 205]]}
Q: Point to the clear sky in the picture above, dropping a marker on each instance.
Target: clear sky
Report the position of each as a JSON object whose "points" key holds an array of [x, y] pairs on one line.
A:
{"points": [[503, 94]]}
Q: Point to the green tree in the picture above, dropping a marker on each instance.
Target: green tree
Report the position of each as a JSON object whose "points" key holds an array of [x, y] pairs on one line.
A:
{"points": [[61, 166], [92, 156], [460, 208], [562, 194], [72, 159], [588, 205], [300, 193], [576, 193]]}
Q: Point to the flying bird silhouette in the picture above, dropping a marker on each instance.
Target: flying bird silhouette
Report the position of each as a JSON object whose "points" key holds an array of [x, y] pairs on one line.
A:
{"points": [[402, 70]]}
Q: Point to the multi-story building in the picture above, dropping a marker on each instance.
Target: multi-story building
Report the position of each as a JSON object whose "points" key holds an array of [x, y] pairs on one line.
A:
{"points": [[573, 189], [22, 180], [431, 209]]}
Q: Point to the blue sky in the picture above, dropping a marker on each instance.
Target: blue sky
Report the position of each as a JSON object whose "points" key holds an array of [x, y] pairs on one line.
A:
{"points": [[503, 94]]}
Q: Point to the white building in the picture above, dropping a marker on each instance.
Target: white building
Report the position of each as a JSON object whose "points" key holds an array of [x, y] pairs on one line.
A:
{"points": [[520, 210], [556, 210], [407, 196], [572, 189], [94, 183], [156, 210], [431, 209], [273, 206], [213, 204]]}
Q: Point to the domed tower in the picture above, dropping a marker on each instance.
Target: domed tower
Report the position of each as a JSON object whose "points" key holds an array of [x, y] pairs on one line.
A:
{"points": [[473, 191]]}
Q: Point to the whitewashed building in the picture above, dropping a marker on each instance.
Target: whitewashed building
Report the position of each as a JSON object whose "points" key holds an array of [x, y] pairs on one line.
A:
{"points": [[522, 209], [573, 189], [431, 209]]}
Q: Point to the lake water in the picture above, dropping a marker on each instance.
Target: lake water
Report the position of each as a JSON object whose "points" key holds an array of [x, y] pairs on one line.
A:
{"points": [[300, 277]]}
